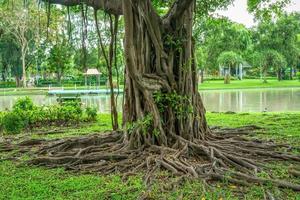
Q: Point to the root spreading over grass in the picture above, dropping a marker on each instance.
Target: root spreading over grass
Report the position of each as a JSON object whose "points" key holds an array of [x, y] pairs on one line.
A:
{"points": [[224, 156]]}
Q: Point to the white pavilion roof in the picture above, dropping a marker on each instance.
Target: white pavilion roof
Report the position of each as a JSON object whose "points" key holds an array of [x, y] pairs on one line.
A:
{"points": [[93, 71]]}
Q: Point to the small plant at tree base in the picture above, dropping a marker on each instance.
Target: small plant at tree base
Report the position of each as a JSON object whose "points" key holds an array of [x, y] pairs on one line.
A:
{"points": [[143, 124], [179, 103], [91, 114]]}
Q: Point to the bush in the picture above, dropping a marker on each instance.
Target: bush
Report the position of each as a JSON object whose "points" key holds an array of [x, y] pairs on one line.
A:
{"points": [[298, 75], [2, 114], [26, 115], [7, 85], [12, 123], [23, 104], [91, 114], [70, 111]]}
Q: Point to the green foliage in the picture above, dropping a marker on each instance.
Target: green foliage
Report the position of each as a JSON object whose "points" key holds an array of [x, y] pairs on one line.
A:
{"points": [[266, 9], [181, 105], [91, 114], [272, 58], [298, 75], [23, 104], [144, 124], [229, 59], [59, 59], [12, 123], [26, 115], [218, 35]]}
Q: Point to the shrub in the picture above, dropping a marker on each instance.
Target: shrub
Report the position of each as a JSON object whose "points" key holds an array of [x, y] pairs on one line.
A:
{"points": [[26, 115], [24, 104], [91, 114], [2, 114], [298, 75], [12, 123]]}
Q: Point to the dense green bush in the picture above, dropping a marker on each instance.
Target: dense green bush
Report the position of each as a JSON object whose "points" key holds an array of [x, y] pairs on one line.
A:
{"points": [[298, 75], [12, 123], [24, 104], [7, 84], [91, 114], [26, 115]]}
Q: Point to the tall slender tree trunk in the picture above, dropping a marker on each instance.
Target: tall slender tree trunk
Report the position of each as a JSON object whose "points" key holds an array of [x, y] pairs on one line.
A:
{"points": [[109, 59], [4, 72], [161, 93], [202, 75], [279, 74], [291, 73], [24, 68]]}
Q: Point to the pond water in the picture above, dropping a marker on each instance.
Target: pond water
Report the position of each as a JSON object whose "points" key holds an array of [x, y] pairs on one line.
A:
{"points": [[254, 100]]}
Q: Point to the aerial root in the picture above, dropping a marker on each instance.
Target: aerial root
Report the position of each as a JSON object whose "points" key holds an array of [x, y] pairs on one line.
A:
{"points": [[231, 159]]}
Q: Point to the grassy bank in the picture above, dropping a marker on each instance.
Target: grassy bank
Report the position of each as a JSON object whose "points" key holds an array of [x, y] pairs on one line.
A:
{"points": [[28, 182], [248, 84], [40, 90], [207, 85]]}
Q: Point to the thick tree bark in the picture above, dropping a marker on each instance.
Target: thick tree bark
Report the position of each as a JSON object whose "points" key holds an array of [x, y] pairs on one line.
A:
{"points": [[161, 76], [109, 6]]}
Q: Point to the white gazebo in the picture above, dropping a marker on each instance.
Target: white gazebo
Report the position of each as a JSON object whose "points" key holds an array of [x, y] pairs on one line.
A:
{"points": [[92, 72], [239, 70]]}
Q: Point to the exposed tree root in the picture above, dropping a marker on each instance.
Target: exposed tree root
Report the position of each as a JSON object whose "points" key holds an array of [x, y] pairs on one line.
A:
{"points": [[221, 158]]}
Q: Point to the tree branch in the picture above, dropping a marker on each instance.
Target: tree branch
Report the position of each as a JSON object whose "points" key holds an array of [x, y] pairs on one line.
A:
{"points": [[176, 11], [109, 6]]}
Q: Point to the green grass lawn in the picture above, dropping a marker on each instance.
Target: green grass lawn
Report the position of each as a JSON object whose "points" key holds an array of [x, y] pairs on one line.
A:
{"points": [[248, 84], [28, 182]]}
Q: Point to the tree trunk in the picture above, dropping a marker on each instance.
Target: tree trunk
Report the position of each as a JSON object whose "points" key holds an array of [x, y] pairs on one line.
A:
{"points": [[291, 73], [59, 75], [109, 59], [4, 70], [265, 76], [84, 37], [23, 68], [17, 81], [202, 75], [279, 75], [161, 93]]}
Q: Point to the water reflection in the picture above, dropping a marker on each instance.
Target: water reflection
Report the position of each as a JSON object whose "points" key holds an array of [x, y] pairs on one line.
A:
{"points": [[270, 100]]}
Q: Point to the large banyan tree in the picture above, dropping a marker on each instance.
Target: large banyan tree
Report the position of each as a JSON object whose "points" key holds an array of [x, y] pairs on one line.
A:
{"points": [[164, 124]]}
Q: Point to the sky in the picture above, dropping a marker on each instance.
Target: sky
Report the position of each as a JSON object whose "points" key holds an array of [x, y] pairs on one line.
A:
{"points": [[238, 12]]}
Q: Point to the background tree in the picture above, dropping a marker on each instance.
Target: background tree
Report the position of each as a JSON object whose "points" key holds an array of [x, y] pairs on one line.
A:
{"points": [[201, 58], [272, 59], [230, 60], [19, 24], [60, 59], [10, 54], [280, 36], [218, 35]]}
